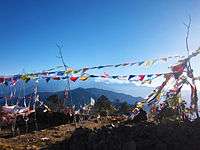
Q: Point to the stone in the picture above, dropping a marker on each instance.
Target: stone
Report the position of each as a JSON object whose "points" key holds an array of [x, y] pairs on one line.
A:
{"points": [[129, 145]]}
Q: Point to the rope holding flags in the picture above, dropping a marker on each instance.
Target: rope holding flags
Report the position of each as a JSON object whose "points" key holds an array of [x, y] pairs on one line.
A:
{"points": [[145, 63], [48, 75]]}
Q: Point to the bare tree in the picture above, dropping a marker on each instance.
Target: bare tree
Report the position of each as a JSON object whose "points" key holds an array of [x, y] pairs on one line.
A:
{"points": [[188, 26], [189, 68], [60, 47], [61, 55]]}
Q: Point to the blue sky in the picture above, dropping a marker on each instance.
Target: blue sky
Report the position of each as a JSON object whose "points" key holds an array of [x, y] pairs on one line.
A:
{"points": [[94, 32]]}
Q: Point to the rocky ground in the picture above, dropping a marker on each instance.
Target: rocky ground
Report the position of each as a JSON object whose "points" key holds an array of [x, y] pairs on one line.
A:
{"points": [[43, 138], [140, 136], [109, 134], [53, 128]]}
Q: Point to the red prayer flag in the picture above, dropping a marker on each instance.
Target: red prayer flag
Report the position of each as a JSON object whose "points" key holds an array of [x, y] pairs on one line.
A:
{"points": [[178, 68], [2, 80], [141, 77], [73, 78]]}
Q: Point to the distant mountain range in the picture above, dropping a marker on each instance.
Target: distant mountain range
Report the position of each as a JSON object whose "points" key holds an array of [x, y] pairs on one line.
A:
{"points": [[54, 86], [126, 88], [83, 91], [81, 96]]}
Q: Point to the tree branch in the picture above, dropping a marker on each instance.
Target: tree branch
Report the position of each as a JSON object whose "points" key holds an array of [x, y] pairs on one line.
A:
{"points": [[64, 64], [188, 26], [61, 55]]}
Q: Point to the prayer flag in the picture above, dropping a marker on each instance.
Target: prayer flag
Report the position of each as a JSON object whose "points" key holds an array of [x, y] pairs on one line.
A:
{"points": [[73, 78]]}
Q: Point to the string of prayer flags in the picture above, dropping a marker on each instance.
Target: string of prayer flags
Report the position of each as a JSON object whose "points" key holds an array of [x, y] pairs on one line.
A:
{"points": [[177, 72], [58, 75], [145, 63], [158, 90], [142, 78]]}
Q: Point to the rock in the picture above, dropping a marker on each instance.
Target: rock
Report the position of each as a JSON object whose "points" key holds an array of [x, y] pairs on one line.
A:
{"points": [[129, 145], [161, 146], [140, 136]]}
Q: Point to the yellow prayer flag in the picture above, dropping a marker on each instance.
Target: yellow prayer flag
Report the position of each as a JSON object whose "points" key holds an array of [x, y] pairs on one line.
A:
{"points": [[140, 104], [158, 96], [83, 78], [69, 70], [25, 78], [147, 81]]}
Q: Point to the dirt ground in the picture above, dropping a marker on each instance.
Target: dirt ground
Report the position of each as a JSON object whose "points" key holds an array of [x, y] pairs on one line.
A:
{"points": [[41, 139], [110, 133]]}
